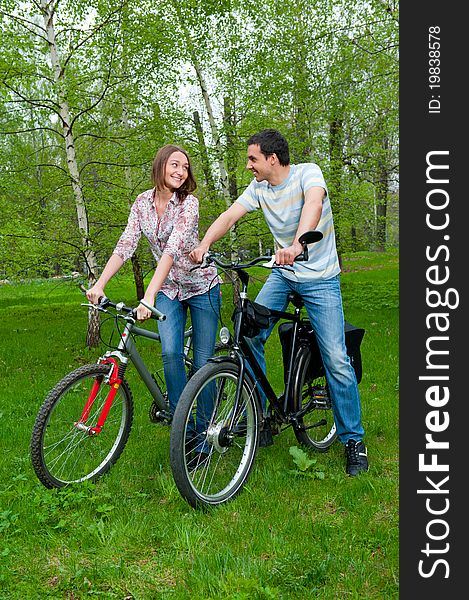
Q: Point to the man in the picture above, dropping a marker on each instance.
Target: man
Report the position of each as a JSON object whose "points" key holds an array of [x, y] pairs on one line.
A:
{"points": [[294, 200]]}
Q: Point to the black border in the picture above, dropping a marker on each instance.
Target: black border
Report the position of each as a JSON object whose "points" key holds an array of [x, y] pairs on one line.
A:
{"points": [[422, 132]]}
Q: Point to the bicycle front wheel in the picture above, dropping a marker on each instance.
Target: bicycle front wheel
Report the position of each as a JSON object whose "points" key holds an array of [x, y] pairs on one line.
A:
{"points": [[213, 444], [315, 425], [64, 449]]}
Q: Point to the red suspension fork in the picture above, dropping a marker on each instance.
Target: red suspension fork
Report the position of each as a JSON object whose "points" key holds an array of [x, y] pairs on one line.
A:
{"points": [[114, 383]]}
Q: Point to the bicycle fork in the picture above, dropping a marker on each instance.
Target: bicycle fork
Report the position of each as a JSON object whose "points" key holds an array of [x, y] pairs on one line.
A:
{"points": [[114, 379]]}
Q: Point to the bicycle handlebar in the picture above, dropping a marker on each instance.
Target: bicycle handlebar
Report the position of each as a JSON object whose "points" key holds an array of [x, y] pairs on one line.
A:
{"points": [[158, 315], [309, 237], [104, 302], [209, 258]]}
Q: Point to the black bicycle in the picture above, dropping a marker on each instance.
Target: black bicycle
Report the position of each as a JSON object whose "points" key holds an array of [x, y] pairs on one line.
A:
{"points": [[219, 419]]}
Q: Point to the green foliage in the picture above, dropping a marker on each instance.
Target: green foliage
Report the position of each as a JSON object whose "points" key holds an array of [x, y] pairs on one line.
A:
{"points": [[304, 464], [323, 72]]}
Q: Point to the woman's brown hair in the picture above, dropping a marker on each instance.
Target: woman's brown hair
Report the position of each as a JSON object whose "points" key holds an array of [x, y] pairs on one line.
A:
{"points": [[158, 171]]}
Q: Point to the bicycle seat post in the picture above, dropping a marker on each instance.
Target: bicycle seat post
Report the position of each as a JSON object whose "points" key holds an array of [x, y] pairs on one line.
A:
{"points": [[244, 278]]}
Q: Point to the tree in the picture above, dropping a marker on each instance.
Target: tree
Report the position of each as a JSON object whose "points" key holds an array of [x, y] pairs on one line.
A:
{"points": [[98, 86]]}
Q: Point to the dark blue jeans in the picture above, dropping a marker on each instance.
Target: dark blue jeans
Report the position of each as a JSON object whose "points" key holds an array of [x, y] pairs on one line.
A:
{"points": [[205, 311]]}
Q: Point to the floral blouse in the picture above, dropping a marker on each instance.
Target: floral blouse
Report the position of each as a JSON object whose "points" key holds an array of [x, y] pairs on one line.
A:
{"points": [[174, 234]]}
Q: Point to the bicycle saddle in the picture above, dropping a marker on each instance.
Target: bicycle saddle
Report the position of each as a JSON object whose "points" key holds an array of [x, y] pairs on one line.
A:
{"points": [[295, 299]]}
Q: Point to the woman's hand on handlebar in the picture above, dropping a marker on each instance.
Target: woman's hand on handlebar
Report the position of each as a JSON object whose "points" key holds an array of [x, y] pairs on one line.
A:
{"points": [[95, 294], [143, 313]]}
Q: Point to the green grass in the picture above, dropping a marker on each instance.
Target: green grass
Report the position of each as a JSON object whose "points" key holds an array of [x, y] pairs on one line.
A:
{"points": [[131, 535]]}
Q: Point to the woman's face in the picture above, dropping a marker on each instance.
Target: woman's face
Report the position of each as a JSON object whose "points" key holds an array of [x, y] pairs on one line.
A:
{"points": [[176, 170]]}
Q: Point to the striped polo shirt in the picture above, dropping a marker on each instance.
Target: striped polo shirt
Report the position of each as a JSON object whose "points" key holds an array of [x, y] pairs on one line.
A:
{"points": [[282, 205]]}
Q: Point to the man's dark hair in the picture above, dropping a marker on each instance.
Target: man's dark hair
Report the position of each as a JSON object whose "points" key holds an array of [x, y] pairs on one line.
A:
{"points": [[271, 142]]}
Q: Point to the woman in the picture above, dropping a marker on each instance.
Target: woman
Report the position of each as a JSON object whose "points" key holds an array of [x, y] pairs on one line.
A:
{"points": [[168, 216]]}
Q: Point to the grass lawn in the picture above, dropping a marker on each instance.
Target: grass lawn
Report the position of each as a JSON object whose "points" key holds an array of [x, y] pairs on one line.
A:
{"points": [[131, 535]]}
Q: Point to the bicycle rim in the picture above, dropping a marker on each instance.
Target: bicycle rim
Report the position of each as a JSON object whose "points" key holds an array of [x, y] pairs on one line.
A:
{"points": [[209, 466], [64, 453]]}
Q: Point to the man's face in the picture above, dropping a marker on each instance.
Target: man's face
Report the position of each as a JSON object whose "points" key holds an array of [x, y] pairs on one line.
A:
{"points": [[259, 165]]}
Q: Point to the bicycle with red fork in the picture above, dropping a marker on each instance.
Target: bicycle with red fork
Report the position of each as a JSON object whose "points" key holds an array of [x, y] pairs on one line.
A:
{"points": [[84, 423]]}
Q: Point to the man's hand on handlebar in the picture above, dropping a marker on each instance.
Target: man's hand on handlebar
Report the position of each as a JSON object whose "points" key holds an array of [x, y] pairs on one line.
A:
{"points": [[286, 256], [197, 255]]}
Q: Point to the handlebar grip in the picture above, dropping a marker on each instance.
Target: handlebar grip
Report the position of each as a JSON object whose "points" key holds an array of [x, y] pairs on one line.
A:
{"points": [[159, 315], [206, 262]]}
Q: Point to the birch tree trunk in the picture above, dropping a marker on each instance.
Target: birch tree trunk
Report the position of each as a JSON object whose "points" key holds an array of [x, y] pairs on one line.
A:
{"points": [[91, 267], [216, 135]]}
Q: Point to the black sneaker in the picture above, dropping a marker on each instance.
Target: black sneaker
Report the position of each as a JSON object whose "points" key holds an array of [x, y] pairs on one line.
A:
{"points": [[357, 459]]}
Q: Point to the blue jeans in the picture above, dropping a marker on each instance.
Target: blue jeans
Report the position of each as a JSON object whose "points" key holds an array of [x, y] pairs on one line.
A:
{"points": [[205, 311], [323, 303]]}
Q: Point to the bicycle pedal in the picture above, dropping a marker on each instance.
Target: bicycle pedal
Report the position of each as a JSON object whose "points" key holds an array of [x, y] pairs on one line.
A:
{"points": [[159, 416]]}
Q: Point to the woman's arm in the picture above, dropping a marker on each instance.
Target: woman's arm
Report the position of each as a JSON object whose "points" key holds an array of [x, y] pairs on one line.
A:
{"points": [[185, 223], [161, 272], [124, 249]]}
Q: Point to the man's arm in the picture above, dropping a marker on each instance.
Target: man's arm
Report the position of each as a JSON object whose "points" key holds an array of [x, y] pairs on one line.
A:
{"points": [[217, 230], [309, 219]]}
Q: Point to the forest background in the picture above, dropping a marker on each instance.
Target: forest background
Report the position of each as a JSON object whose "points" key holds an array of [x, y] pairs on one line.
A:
{"points": [[90, 90]]}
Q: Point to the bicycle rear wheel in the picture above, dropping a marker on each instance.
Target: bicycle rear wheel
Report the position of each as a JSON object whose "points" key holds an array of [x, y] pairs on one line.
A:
{"points": [[62, 450], [210, 465], [315, 427]]}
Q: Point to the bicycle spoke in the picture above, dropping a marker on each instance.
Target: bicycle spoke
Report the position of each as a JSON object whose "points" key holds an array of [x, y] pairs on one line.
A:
{"points": [[220, 472], [62, 452]]}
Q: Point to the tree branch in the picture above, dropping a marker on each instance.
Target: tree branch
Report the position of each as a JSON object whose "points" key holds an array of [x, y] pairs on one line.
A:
{"points": [[91, 34], [22, 21], [32, 129]]}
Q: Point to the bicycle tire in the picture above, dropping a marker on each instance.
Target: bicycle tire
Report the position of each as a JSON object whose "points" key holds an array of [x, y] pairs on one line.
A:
{"points": [[219, 475], [316, 428], [63, 454]]}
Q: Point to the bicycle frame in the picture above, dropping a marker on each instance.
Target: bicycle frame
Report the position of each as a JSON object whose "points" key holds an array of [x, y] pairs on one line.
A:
{"points": [[243, 352], [247, 354], [119, 358], [127, 350]]}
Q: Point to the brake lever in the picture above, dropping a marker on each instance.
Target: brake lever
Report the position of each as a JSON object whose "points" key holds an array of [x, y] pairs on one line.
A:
{"points": [[95, 306], [273, 265], [204, 264], [285, 267]]}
